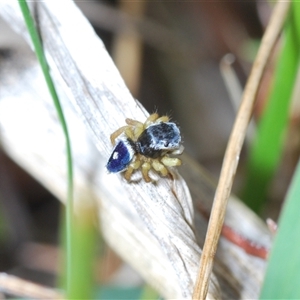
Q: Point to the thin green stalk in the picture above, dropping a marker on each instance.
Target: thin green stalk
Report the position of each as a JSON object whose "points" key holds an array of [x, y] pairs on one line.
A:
{"points": [[84, 252], [283, 272], [266, 150], [149, 293], [45, 68]]}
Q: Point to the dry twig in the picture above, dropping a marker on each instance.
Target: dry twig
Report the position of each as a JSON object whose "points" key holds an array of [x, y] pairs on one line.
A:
{"points": [[15, 286], [234, 148]]}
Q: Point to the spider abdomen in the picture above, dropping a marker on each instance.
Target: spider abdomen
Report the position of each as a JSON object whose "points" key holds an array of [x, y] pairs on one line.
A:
{"points": [[121, 156]]}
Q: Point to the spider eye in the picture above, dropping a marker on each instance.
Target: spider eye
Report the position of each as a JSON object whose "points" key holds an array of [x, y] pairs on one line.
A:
{"points": [[121, 157]]}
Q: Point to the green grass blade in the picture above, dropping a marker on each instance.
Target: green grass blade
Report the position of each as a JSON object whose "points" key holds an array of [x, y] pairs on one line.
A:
{"points": [[283, 273], [266, 150], [149, 293], [45, 68], [83, 260]]}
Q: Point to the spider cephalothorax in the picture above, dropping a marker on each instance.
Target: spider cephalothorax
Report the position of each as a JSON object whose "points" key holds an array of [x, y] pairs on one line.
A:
{"points": [[146, 146]]}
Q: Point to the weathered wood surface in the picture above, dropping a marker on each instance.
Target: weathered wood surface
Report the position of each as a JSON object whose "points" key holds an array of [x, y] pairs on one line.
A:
{"points": [[150, 225]]}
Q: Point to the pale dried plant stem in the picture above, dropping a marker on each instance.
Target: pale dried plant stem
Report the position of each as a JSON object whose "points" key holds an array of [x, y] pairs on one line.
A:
{"points": [[23, 288], [234, 147]]}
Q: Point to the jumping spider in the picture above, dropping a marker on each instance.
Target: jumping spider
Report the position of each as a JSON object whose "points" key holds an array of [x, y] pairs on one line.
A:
{"points": [[146, 146]]}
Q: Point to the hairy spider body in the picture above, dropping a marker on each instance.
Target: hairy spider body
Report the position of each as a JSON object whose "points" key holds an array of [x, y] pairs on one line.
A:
{"points": [[146, 146], [157, 139]]}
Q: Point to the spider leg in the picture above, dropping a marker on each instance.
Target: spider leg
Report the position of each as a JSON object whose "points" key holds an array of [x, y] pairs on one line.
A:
{"points": [[133, 122], [115, 134], [177, 151], [129, 131], [128, 173], [150, 120], [162, 119], [133, 166], [145, 171], [170, 161], [137, 128], [159, 167]]}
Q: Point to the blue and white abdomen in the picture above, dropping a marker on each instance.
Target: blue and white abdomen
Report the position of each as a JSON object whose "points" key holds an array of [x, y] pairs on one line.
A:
{"points": [[121, 156]]}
